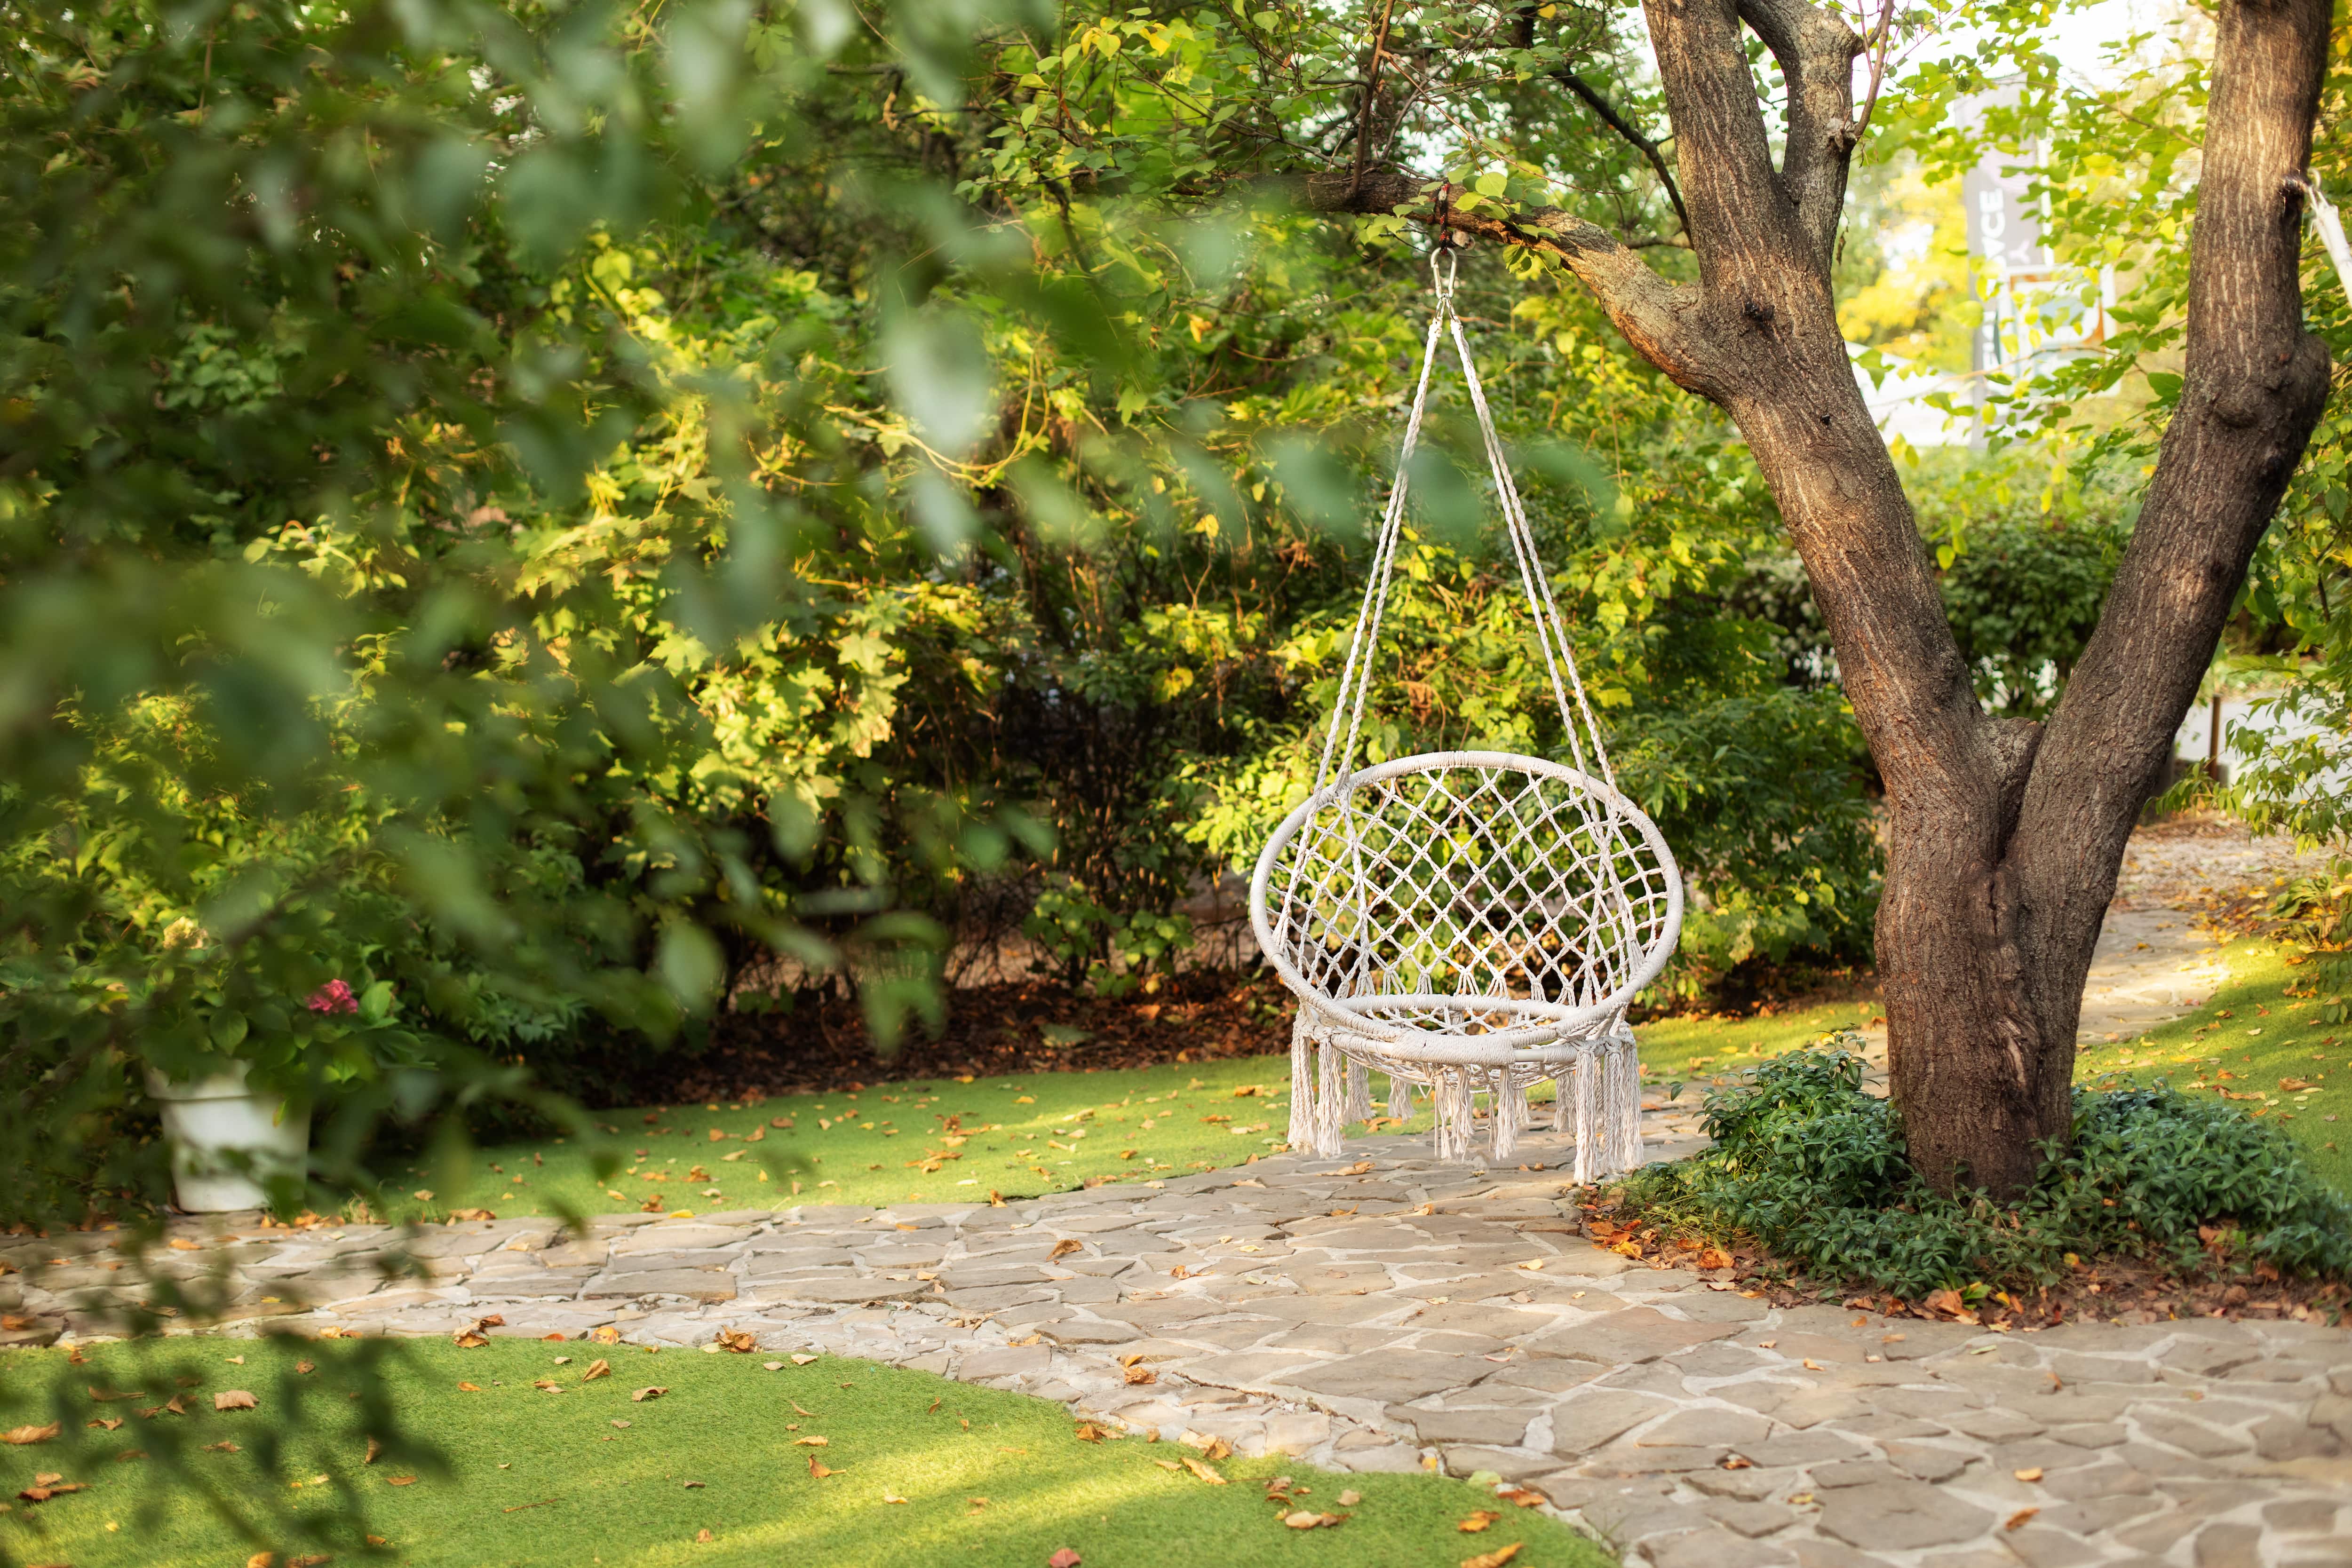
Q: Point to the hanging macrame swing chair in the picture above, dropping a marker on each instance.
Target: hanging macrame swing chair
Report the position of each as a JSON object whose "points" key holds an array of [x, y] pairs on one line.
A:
{"points": [[1472, 921]]}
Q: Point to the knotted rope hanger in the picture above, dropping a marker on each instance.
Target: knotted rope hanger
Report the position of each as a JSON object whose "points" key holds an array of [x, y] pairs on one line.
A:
{"points": [[1551, 632]]}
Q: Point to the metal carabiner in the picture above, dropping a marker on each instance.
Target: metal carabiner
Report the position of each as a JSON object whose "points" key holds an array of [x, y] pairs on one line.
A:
{"points": [[1442, 282]]}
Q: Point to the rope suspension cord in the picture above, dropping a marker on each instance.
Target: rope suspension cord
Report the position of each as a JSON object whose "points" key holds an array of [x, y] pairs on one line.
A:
{"points": [[1475, 922], [1551, 634]]}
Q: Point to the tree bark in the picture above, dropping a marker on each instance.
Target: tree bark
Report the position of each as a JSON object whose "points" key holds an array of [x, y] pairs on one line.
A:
{"points": [[2006, 837]]}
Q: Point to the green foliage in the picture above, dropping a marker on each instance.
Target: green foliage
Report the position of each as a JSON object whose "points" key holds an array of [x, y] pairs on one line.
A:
{"points": [[555, 516], [1813, 1168]]}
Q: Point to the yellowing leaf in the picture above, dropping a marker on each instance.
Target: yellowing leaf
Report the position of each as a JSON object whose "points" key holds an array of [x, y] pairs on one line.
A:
{"points": [[597, 1368], [642, 1394], [1480, 1519], [235, 1399], [1494, 1559], [20, 1436], [1204, 1471]]}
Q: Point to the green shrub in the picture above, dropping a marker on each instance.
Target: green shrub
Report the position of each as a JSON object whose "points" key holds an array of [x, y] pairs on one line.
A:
{"points": [[1813, 1169]]}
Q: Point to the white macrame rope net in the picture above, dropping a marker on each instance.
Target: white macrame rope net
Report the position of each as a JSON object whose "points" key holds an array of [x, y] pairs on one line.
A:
{"points": [[1471, 922]]}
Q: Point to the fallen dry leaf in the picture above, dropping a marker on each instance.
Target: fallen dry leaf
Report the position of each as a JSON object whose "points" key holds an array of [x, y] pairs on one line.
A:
{"points": [[1141, 1374], [597, 1368], [1204, 1471], [736, 1339], [1350, 1499], [890, 1496], [222, 1448], [1305, 1519], [469, 1388], [1479, 1519], [797, 1409], [107, 1423], [182, 1244], [820, 1469], [694, 1486], [20, 1436], [802, 1360], [608, 1335], [49, 1489], [400, 1481], [302, 1366], [620, 1421], [1494, 1559], [704, 1537], [2033, 1474], [234, 1399], [2018, 1518], [1065, 1558], [373, 1449], [109, 1399], [811, 1442], [1088, 1432], [1522, 1496], [1063, 1248], [1714, 1257], [1736, 1463]]}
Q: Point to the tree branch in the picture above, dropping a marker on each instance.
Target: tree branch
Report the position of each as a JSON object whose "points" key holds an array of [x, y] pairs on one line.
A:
{"points": [[2254, 383], [1816, 52], [1633, 137], [1658, 318]]}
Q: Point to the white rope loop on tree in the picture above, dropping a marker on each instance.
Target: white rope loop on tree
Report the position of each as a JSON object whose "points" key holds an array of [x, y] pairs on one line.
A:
{"points": [[1473, 921]]}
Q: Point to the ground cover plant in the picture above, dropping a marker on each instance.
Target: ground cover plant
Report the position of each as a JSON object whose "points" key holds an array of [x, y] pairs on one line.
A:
{"points": [[526, 1453], [1810, 1167]]}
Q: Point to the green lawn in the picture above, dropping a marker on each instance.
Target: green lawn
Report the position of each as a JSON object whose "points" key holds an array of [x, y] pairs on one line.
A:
{"points": [[1692, 1050], [2256, 1045], [933, 1140], [943, 1140], [927, 1471]]}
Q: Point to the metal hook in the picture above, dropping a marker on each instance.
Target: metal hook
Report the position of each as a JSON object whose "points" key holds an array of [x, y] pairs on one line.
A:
{"points": [[1442, 282]]}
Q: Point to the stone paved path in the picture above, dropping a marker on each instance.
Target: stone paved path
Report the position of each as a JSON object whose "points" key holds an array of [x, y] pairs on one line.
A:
{"points": [[1391, 1313]]}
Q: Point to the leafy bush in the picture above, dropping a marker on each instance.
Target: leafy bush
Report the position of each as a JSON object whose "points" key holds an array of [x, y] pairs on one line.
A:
{"points": [[1813, 1169]]}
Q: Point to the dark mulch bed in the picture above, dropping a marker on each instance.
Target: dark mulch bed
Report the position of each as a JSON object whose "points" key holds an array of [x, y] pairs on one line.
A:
{"points": [[1028, 1026]]}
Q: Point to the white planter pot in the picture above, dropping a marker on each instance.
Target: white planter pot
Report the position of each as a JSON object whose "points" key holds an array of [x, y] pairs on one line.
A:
{"points": [[227, 1140]]}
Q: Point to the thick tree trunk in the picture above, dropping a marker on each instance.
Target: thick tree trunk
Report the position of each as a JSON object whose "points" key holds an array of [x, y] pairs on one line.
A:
{"points": [[2006, 837]]}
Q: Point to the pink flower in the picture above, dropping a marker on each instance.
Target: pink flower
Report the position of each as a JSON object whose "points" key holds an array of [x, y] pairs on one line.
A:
{"points": [[334, 997]]}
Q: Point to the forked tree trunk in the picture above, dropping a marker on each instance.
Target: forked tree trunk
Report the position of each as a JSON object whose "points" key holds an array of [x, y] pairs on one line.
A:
{"points": [[2007, 835]]}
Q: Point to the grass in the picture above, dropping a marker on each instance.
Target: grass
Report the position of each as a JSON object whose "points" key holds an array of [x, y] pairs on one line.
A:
{"points": [[1695, 1048], [946, 1140], [924, 1141], [587, 1476], [2249, 1043]]}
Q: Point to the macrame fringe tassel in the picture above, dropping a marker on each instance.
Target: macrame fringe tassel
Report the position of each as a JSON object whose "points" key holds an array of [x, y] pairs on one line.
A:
{"points": [[1623, 1132], [1330, 1090], [1563, 1099], [1510, 1116], [1588, 1116], [1359, 1107], [1631, 1147], [1301, 1131], [1453, 1090], [1400, 1097]]}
